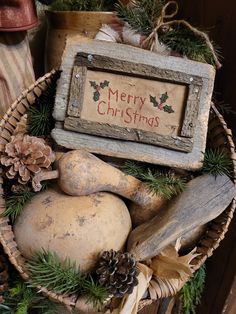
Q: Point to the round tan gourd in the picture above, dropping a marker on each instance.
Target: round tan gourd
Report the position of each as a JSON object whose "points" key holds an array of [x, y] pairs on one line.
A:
{"points": [[77, 227]]}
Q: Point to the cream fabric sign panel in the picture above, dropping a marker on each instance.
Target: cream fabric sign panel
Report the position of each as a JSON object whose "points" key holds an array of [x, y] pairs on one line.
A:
{"points": [[133, 102]]}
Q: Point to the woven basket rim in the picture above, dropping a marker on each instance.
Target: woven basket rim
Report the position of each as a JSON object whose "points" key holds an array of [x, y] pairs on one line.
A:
{"points": [[211, 240]]}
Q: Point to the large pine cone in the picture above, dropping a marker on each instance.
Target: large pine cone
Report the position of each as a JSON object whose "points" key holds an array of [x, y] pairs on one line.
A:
{"points": [[25, 156], [117, 272]]}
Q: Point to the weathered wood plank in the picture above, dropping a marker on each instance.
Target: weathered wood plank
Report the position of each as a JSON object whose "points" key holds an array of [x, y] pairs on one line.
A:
{"points": [[114, 131], [191, 112], [205, 198], [76, 91], [129, 150], [97, 61]]}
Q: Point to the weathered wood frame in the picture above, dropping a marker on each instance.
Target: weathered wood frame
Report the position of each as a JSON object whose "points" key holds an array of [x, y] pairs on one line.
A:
{"points": [[85, 61], [128, 149]]}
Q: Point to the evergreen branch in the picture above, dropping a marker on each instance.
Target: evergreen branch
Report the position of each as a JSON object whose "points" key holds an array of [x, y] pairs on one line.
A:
{"points": [[225, 108], [191, 293], [222, 107], [39, 120], [48, 271], [164, 184], [183, 41], [82, 5], [217, 162], [136, 17], [134, 169], [21, 299], [63, 277], [15, 204], [94, 292], [142, 15]]}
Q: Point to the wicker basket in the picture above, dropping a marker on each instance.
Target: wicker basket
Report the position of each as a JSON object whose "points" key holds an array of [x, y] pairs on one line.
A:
{"points": [[219, 136]]}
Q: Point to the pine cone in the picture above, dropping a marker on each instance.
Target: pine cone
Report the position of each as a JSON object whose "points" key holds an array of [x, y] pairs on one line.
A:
{"points": [[25, 156], [19, 188], [117, 272]]}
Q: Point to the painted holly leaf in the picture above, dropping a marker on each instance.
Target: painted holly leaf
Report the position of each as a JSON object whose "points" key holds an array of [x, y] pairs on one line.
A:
{"points": [[168, 109], [104, 84], [96, 96], [153, 100], [164, 98], [93, 84]]}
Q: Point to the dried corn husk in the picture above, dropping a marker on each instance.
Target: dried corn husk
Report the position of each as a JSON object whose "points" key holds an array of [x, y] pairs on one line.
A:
{"points": [[170, 272]]}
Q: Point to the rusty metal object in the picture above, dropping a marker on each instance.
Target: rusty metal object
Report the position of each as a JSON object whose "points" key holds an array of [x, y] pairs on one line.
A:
{"points": [[17, 15]]}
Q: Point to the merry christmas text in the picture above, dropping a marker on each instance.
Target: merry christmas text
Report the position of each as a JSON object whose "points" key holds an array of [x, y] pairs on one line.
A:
{"points": [[131, 113]]}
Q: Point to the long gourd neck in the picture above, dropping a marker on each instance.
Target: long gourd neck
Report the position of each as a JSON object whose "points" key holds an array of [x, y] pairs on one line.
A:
{"points": [[133, 189]]}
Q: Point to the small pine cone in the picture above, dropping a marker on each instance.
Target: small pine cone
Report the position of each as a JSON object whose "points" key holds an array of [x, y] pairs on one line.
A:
{"points": [[19, 188], [117, 272], [26, 156]]}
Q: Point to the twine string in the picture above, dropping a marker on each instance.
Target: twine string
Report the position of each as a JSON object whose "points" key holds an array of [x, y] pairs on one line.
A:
{"points": [[161, 21]]}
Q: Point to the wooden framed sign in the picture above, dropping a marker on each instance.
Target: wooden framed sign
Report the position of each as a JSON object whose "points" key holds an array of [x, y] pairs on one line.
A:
{"points": [[117, 92], [131, 101]]}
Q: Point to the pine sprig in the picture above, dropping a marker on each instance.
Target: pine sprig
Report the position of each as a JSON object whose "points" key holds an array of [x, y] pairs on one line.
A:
{"points": [[142, 15], [15, 204], [182, 40], [134, 169], [164, 184], [82, 5], [40, 121], [63, 277], [191, 293], [48, 271], [217, 162], [223, 107], [21, 299], [94, 292]]}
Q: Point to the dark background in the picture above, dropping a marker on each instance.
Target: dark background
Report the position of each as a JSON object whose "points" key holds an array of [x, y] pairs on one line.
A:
{"points": [[219, 18]]}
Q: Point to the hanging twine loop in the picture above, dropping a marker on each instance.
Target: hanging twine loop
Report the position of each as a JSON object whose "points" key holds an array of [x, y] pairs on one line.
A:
{"points": [[161, 22]]}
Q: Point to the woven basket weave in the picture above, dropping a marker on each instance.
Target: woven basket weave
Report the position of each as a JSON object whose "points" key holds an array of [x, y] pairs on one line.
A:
{"points": [[219, 136]]}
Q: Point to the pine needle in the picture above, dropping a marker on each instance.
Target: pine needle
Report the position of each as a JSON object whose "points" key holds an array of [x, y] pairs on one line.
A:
{"points": [[21, 299], [217, 162], [40, 121], [64, 277], [164, 184], [191, 293], [223, 107], [142, 15], [15, 204], [95, 293], [48, 271], [82, 5], [182, 40], [134, 169]]}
